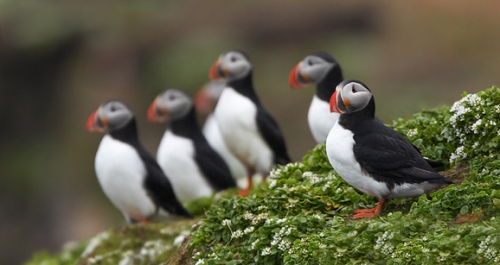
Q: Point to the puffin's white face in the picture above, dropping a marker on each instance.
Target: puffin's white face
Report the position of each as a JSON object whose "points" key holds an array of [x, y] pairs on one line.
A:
{"points": [[310, 70], [350, 96], [230, 65], [112, 115], [172, 104]]}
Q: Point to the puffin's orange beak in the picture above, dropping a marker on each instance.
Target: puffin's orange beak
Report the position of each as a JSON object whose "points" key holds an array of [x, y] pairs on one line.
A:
{"points": [[293, 80], [153, 112], [333, 103], [202, 101], [216, 72], [94, 123]]}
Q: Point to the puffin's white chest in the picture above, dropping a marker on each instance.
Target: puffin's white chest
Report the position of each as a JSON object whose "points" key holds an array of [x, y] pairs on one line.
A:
{"points": [[121, 173], [339, 148], [176, 158], [320, 119], [236, 117], [214, 137]]}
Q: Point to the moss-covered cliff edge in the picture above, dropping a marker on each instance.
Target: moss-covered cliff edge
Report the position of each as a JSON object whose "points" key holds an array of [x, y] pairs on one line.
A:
{"points": [[301, 216]]}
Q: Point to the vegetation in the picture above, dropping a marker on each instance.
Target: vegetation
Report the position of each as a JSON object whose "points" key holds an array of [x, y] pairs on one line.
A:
{"points": [[301, 215]]}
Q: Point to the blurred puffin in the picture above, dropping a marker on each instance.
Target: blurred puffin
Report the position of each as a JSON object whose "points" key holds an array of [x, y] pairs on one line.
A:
{"points": [[372, 157], [128, 175], [195, 169], [249, 131], [320, 68], [205, 101]]}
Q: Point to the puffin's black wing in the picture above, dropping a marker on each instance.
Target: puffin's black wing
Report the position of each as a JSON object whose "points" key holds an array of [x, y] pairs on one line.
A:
{"points": [[391, 158], [213, 167], [159, 187], [432, 163], [271, 133]]}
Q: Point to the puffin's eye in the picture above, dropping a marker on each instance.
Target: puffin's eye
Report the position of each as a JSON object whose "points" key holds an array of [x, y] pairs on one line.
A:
{"points": [[113, 109], [172, 97], [310, 63], [233, 59], [354, 89]]}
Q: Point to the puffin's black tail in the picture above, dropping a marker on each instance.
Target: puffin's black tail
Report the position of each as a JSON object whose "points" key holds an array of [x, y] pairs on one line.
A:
{"points": [[283, 159], [177, 209]]}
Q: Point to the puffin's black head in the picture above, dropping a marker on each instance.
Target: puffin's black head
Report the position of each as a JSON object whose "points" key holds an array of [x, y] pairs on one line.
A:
{"points": [[350, 96], [231, 65], [111, 115], [172, 104], [312, 69]]}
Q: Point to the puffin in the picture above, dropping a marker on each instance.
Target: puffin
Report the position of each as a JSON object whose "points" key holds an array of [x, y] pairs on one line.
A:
{"points": [[372, 157], [322, 69], [205, 101], [248, 129], [127, 173], [194, 167]]}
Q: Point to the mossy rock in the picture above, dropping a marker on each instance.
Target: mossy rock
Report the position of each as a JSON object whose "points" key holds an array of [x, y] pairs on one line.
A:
{"points": [[302, 215]]}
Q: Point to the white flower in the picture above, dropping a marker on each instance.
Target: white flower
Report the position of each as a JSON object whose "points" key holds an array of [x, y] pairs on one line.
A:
{"points": [[226, 222], [284, 245], [458, 154], [249, 229], [255, 243], [475, 128], [272, 183], [317, 216], [237, 234], [266, 251], [200, 262], [412, 132], [248, 216]]}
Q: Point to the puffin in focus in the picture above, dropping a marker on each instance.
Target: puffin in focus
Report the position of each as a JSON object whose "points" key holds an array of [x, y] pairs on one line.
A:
{"points": [[249, 131], [128, 174], [320, 68], [194, 167], [372, 157], [205, 101]]}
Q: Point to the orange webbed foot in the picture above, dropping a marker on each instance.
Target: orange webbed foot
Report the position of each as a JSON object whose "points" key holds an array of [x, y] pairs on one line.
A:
{"points": [[243, 193], [370, 212]]}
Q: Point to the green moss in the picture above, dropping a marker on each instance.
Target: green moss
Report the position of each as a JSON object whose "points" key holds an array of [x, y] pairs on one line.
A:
{"points": [[130, 244]]}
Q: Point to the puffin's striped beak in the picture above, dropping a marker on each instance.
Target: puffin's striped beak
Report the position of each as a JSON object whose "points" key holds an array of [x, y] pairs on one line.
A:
{"points": [[333, 103], [156, 114], [217, 72], [95, 123], [295, 76]]}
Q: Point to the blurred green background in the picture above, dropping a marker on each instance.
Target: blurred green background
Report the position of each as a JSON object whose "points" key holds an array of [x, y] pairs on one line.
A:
{"points": [[60, 59]]}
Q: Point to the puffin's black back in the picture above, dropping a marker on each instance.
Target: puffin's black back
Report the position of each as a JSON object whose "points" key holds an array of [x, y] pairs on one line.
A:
{"points": [[266, 124], [156, 183], [212, 165]]}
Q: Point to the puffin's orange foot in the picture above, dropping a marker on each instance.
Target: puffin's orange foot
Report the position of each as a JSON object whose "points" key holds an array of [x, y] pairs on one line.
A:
{"points": [[364, 215], [144, 220], [243, 193], [368, 210]]}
